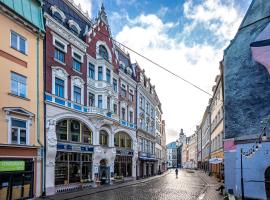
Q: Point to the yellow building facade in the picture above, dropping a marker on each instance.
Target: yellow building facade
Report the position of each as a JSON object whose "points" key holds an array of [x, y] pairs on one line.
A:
{"points": [[217, 127], [21, 100]]}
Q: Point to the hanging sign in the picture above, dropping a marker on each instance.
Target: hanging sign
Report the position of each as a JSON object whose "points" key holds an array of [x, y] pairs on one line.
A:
{"points": [[12, 165]]}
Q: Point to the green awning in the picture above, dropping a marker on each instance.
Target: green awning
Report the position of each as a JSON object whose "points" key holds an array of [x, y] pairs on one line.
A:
{"points": [[30, 10]]}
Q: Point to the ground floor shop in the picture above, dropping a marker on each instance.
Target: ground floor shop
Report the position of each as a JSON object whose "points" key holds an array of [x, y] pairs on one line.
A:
{"points": [[146, 167], [20, 173], [217, 166]]}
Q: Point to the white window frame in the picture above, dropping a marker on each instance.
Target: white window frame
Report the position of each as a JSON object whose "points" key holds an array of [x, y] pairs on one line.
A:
{"points": [[26, 88], [10, 130], [74, 50], [18, 42], [58, 72], [60, 40], [78, 82]]}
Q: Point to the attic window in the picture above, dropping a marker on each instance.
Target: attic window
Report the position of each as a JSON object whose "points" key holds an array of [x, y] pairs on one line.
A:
{"points": [[57, 17], [74, 30], [57, 14], [74, 27], [103, 52]]}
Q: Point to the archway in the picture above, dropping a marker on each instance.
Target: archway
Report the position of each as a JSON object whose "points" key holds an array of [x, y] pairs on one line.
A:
{"points": [[267, 182], [104, 172]]}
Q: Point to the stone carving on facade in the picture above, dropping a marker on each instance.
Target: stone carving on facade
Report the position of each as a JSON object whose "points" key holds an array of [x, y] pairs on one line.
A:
{"points": [[58, 28], [55, 9], [51, 143], [59, 72], [73, 23], [77, 81]]}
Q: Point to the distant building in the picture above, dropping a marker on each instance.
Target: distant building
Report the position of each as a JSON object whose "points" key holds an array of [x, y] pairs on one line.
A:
{"points": [[192, 152], [172, 155]]}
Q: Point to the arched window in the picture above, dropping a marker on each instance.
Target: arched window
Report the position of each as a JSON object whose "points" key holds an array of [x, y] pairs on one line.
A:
{"points": [[73, 131], [74, 29], [103, 52], [103, 138], [57, 17], [122, 140]]}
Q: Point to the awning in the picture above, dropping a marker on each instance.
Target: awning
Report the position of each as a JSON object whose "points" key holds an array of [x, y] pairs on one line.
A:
{"points": [[215, 160], [261, 48]]}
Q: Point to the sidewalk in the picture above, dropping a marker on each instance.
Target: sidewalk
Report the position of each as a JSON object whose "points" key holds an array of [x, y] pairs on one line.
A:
{"points": [[83, 192], [212, 184]]}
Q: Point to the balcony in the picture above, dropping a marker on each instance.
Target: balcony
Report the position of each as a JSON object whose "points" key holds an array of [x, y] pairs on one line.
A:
{"points": [[49, 98]]}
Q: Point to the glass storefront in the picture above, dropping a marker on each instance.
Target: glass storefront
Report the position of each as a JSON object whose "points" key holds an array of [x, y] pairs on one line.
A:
{"points": [[72, 167], [16, 179], [123, 163], [123, 166]]}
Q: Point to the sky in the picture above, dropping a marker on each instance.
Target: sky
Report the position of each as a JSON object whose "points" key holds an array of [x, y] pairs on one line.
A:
{"points": [[185, 36]]}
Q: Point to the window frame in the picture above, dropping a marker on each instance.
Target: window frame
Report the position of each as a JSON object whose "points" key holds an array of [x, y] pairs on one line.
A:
{"points": [[75, 92], [19, 84], [91, 70], [100, 101], [100, 73], [18, 136], [55, 87], [18, 42]]}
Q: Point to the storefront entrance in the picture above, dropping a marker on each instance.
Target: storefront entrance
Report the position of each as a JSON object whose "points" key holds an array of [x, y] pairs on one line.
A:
{"points": [[123, 166], [72, 167], [16, 179], [104, 172]]}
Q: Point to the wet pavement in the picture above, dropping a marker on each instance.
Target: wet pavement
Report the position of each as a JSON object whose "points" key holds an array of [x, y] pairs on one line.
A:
{"points": [[189, 185]]}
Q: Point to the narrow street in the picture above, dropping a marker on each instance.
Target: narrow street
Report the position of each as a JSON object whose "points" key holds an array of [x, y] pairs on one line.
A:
{"points": [[189, 185]]}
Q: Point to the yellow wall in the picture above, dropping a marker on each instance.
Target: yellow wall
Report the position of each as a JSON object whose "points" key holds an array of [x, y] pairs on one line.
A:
{"points": [[6, 66]]}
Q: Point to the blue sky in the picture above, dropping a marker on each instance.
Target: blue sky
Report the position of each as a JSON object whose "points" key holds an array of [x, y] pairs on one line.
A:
{"points": [[186, 36]]}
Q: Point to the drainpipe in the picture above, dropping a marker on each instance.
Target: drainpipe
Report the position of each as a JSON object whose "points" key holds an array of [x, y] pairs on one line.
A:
{"points": [[38, 115]]}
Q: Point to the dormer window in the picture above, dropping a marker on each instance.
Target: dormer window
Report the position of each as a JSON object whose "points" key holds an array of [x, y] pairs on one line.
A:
{"points": [[57, 14], [103, 52], [74, 27]]}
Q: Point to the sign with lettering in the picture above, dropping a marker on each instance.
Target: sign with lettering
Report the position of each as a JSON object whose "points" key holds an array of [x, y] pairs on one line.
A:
{"points": [[12, 165]]}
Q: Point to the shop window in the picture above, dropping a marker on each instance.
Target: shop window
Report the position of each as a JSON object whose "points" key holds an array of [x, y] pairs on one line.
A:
{"points": [[61, 130], [19, 131], [75, 130], [103, 138], [122, 140]]}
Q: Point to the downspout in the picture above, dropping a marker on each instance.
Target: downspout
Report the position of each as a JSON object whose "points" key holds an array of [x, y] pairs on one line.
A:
{"points": [[38, 115]]}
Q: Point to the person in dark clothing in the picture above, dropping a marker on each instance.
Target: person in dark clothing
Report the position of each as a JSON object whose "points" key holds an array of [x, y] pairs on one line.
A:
{"points": [[221, 188], [176, 172]]}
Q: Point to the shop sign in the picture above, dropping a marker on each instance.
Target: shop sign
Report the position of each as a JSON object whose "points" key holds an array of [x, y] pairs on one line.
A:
{"points": [[8, 165], [124, 152], [77, 148]]}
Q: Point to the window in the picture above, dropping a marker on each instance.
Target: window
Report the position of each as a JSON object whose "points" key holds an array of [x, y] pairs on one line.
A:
{"points": [[100, 74], [152, 112], [91, 99], [57, 17], [91, 68], [103, 52], [123, 112], [76, 62], [123, 91], [122, 140], [115, 85], [18, 131], [141, 102], [75, 131], [74, 30], [77, 94], [61, 130], [130, 116], [18, 42], [18, 84], [59, 87], [130, 97], [147, 108], [115, 108], [100, 101], [59, 51], [108, 103], [103, 138], [108, 75]]}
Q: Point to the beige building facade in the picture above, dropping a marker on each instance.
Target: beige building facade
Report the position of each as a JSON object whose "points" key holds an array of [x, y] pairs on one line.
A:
{"points": [[21, 104]]}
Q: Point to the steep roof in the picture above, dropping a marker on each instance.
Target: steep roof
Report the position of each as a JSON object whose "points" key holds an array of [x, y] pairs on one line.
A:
{"points": [[30, 10], [171, 145]]}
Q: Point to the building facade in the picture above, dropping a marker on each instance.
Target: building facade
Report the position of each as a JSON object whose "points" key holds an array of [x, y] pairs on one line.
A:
{"points": [[205, 139], [21, 118], [163, 146], [217, 126], [192, 152], [90, 101], [246, 106], [171, 155]]}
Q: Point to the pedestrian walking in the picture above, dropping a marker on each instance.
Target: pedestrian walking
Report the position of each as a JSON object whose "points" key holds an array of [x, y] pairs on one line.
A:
{"points": [[176, 172]]}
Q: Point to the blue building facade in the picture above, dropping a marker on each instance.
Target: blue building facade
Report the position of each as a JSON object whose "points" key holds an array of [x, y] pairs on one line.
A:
{"points": [[246, 105]]}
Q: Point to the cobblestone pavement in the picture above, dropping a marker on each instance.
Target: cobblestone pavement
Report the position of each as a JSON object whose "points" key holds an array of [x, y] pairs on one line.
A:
{"points": [[188, 186]]}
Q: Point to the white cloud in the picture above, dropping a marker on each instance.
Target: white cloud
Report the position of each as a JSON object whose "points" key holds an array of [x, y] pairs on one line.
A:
{"points": [[182, 105]]}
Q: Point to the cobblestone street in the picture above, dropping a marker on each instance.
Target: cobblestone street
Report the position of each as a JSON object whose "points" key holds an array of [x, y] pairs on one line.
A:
{"points": [[189, 185]]}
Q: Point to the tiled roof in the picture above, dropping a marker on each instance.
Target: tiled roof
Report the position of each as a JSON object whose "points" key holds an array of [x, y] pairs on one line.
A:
{"points": [[30, 10]]}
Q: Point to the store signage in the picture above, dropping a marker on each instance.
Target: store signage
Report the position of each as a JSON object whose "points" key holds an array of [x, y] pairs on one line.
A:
{"points": [[10, 165], [77, 148], [124, 152]]}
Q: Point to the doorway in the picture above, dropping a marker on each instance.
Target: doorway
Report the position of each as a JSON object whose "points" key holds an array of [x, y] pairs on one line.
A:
{"points": [[267, 182], [104, 172]]}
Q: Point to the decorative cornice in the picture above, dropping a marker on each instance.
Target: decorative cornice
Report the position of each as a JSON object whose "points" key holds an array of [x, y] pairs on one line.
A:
{"points": [[65, 33]]}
